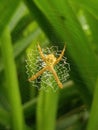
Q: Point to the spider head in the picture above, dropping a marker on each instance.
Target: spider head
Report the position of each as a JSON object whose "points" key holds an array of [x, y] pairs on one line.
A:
{"points": [[50, 59]]}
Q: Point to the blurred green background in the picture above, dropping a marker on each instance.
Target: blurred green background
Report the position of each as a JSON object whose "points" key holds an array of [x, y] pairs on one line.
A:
{"points": [[52, 23]]}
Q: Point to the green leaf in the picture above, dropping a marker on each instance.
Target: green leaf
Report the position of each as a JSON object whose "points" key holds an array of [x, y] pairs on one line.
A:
{"points": [[21, 45], [7, 8], [93, 24], [46, 110], [17, 16], [12, 87], [90, 5], [17, 32]]}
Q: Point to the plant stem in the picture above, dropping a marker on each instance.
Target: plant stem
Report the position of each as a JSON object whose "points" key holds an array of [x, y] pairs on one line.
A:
{"points": [[12, 88], [47, 105], [46, 110]]}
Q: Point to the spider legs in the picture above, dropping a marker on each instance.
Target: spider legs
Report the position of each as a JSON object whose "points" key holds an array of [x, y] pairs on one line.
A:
{"points": [[49, 66], [41, 53], [56, 77], [60, 57], [38, 74]]}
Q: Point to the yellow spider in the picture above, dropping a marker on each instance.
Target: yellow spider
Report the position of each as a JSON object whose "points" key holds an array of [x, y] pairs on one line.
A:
{"points": [[50, 61]]}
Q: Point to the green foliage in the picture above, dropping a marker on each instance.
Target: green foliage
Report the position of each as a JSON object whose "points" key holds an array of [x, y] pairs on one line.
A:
{"points": [[68, 22], [6, 10], [74, 36], [11, 81]]}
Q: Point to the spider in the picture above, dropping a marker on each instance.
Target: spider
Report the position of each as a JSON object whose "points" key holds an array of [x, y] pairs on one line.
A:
{"points": [[50, 61]]}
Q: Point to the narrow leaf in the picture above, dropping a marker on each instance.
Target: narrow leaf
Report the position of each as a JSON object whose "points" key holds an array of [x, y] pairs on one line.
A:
{"points": [[7, 9], [12, 81]]}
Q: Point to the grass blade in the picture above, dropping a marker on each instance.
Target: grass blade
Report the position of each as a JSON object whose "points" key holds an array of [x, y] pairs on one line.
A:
{"points": [[46, 110], [93, 24], [91, 6], [7, 9], [12, 82]]}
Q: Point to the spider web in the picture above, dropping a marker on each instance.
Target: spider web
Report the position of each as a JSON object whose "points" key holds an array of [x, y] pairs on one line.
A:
{"points": [[34, 64]]}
